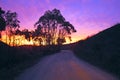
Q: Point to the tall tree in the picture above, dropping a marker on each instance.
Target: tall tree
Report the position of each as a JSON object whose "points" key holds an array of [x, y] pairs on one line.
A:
{"points": [[12, 23], [53, 27], [2, 21]]}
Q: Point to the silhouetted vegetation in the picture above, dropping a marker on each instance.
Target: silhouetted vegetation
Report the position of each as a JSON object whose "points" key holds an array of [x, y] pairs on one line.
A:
{"points": [[2, 21], [12, 24], [51, 28], [102, 50], [13, 60]]}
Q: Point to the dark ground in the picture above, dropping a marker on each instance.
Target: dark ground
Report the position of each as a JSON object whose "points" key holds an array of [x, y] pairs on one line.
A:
{"points": [[13, 60]]}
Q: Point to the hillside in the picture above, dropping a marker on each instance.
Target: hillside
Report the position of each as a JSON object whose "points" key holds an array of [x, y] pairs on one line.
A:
{"points": [[102, 49]]}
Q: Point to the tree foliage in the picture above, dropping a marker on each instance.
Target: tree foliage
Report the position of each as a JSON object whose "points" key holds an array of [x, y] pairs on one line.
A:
{"points": [[2, 21], [53, 27], [12, 24], [27, 34], [11, 20]]}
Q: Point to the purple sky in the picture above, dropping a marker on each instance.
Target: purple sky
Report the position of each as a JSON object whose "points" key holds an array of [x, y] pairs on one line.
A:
{"points": [[88, 16]]}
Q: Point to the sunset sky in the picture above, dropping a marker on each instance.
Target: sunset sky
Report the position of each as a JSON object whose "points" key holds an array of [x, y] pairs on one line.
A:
{"points": [[88, 16]]}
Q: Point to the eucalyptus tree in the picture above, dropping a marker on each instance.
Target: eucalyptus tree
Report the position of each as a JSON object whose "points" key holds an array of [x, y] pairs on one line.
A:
{"points": [[53, 27], [12, 23], [2, 21]]}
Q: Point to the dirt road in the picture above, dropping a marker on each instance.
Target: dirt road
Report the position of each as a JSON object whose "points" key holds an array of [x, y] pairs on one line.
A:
{"points": [[64, 66]]}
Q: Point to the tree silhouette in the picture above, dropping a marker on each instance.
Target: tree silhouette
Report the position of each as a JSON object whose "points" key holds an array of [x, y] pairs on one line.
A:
{"points": [[18, 33], [2, 21], [12, 22], [37, 36], [53, 27], [27, 34]]}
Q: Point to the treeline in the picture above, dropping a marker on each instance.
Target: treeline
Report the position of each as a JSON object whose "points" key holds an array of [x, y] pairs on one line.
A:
{"points": [[50, 29]]}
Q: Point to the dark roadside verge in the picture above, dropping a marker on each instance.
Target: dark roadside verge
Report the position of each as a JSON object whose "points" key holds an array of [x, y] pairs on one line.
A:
{"points": [[14, 60]]}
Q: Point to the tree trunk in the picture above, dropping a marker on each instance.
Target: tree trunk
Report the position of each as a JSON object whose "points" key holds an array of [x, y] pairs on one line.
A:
{"points": [[6, 35]]}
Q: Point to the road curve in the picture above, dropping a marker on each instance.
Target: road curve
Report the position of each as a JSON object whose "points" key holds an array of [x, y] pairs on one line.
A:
{"points": [[64, 66]]}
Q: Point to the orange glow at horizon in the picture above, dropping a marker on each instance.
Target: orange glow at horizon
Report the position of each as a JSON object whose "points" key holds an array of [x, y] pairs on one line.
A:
{"points": [[20, 40]]}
